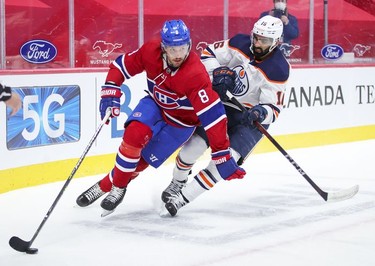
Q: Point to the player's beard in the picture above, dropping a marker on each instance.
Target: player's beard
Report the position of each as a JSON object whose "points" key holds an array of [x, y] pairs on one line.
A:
{"points": [[259, 53], [175, 62]]}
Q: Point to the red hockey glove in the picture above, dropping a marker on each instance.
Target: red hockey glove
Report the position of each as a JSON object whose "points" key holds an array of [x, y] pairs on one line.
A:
{"points": [[226, 165]]}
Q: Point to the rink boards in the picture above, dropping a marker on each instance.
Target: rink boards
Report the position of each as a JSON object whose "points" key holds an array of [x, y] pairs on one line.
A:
{"points": [[43, 142]]}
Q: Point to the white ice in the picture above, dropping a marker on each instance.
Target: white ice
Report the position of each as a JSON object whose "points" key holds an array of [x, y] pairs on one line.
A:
{"points": [[272, 217]]}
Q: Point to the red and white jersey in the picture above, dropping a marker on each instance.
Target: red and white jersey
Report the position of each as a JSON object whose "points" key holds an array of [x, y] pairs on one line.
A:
{"points": [[258, 82], [185, 95]]}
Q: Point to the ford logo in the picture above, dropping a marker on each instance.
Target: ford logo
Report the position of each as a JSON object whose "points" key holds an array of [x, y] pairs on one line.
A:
{"points": [[332, 52], [38, 51]]}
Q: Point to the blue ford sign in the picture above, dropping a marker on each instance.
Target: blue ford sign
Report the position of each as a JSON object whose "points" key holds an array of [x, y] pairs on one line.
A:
{"points": [[332, 52], [38, 51]]}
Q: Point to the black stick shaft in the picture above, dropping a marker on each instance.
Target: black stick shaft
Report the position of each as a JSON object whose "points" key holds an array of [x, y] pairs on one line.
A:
{"points": [[23, 243], [322, 193]]}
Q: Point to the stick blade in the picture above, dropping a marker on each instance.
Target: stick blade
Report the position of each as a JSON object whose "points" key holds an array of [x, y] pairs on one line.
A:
{"points": [[343, 194], [19, 244]]}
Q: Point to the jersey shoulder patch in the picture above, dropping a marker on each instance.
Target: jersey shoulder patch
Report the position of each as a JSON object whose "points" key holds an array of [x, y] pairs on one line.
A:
{"points": [[276, 67], [241, 43]]}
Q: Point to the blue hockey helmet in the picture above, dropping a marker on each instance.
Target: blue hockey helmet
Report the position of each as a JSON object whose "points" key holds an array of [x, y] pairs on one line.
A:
{"points": [[175, 33]]}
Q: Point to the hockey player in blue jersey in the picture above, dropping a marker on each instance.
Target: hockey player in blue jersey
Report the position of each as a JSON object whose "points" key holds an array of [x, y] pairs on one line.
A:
{"points": [[255, 72]]}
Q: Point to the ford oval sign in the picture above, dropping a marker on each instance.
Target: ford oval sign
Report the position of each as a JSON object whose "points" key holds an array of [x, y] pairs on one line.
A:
{"points": [[332, 52], [38, 51]]}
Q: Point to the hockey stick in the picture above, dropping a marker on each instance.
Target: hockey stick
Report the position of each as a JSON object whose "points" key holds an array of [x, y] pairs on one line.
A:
{"points": [[327, 196], [25, 246]]}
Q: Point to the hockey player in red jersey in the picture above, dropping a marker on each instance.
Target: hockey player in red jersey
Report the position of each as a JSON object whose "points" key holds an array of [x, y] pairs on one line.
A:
{"points": [[180, 99], [253, 69]]}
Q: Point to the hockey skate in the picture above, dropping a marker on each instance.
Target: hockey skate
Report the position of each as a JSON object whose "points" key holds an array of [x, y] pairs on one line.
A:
{"points": [[173, 188], [112, 200], [90, 196], [175, 202]]}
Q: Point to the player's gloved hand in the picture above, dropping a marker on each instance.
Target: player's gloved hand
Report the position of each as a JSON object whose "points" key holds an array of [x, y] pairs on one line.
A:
{"points": [[227, 166], [257, 113], [110, 99], [5, 93], [223, 80]]}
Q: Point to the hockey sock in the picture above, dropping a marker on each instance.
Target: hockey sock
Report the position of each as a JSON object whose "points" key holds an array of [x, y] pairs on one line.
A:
{"points": [[181, 170], [142, 165], [187, 157], [203, 181], [193, 189], [135, 138], [106, 183]]}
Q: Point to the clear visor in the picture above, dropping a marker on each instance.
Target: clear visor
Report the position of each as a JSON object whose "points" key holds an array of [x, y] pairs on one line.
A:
{"points": [[177, 51], [261, 39]]}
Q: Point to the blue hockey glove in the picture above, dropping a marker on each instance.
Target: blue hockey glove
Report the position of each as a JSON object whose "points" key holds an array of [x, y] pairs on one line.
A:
{"points": [[257, 113], [227, 166], [223, 80], [110, 99]]}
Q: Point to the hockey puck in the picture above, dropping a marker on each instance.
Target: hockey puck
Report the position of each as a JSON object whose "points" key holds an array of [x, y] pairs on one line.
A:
{"points": [[31, 251]]}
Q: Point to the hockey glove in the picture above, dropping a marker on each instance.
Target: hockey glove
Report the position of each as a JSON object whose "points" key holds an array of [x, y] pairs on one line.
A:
{"points": [[257, 113], [5, 93], [223, 80], [227, 166], [110, 99]]}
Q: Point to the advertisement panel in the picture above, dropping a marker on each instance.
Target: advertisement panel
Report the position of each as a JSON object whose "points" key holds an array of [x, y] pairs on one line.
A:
{"points": [[50, 115], [43, 141], [325, 99]]}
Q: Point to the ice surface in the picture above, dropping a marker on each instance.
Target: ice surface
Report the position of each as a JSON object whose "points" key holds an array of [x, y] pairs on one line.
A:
{"points": [[272, 217]]}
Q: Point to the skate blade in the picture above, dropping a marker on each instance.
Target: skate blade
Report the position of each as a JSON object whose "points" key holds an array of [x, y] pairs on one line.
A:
{"points": [[106, 213], [164, 212]]}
